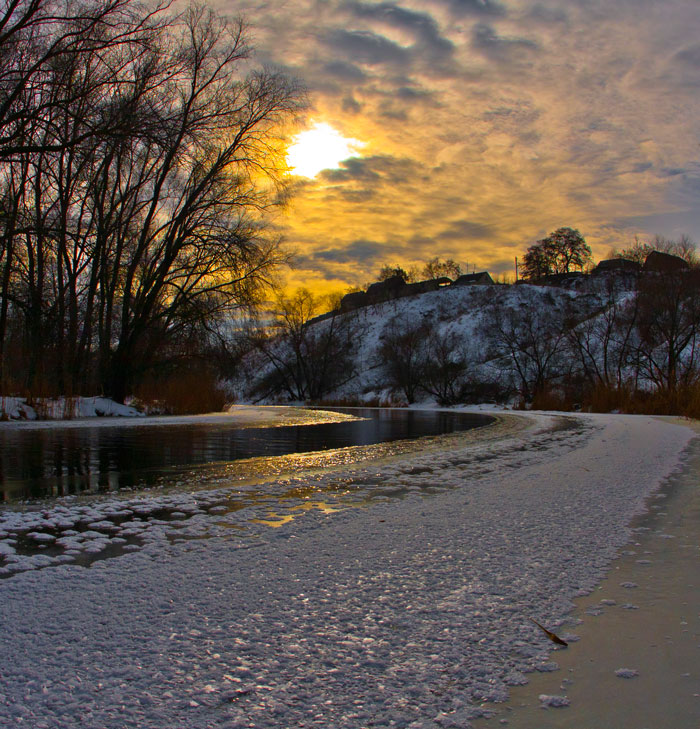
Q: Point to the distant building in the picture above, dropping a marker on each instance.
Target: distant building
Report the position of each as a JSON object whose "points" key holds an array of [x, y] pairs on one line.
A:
{"points": [[659, 262], [617, 265], [385, 290], [396, 288], [471, 279], [354, 300], [568, 279]]}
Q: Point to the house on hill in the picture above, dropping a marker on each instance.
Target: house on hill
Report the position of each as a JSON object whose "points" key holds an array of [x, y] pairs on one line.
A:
{"points": [[354, 300], [390, 288], [617, 265], [396, 288], [658, 262], [471, 279]]}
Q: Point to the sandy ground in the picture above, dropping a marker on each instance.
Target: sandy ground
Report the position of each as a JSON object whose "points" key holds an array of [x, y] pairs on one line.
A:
{"points": [[406, 601]]}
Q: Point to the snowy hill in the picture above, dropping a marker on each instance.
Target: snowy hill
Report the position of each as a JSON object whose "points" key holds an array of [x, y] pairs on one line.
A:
{"points": [[456, 344]]}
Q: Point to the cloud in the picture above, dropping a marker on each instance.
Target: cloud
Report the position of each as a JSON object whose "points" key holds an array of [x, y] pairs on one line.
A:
{"points": [[411, 93], [465, 229], [351, 105], [501, 48], [360, 250], [487, 124], [421, 26], [548, 14], [366, 47], [344, 71], [476, 7], [671, 224], [375, 169], [690, 55]]}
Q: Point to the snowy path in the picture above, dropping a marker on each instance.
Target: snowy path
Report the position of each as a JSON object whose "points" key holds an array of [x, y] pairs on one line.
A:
{"points": [[409, 612]]}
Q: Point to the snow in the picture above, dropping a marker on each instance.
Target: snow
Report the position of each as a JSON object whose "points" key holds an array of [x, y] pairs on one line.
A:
{"points": [[16, 408], [460, 310], [556, 702], [408, 604], [101, 412]]}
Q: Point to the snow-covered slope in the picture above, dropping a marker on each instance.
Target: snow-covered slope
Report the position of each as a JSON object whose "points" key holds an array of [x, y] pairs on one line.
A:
{"points": [[464, 317]]}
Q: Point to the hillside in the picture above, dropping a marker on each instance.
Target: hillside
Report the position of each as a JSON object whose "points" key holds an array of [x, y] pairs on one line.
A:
{"points": [[460, 345]]}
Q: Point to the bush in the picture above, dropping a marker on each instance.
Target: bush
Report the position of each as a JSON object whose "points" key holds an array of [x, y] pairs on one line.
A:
{"points": [[185, 392]]}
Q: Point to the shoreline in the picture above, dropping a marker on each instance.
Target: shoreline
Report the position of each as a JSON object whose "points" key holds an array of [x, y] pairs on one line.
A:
{"points": [[412, 609], [242, 416], [642, 616]]}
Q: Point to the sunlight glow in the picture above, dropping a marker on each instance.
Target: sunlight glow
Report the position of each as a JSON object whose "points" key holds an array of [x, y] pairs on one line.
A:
{"points": [[320, 148]]}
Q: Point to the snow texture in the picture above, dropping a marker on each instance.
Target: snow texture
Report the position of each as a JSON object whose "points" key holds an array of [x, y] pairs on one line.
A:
{"points": [[17, 408], [453, 310], [407, 604], [555, 702]]}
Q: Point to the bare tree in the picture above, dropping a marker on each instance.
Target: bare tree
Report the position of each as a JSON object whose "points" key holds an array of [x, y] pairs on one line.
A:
{"points": [[402, 354], [684, 248], [307, 359], [39, 36], [447, 367], [606, 343], [437, 268], [135, 192], [668, 325], [531, 342], [409, 275]]}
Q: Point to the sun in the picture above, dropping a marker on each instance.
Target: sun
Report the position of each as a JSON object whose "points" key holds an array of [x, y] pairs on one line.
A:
{"points": [[320, 148]]}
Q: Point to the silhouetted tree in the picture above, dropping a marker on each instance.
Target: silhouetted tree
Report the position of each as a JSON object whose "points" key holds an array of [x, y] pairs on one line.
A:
{"points": [[446, 367], [531, 342], [562, 251], [606, 344], [437, 268], [669, 328], [684, 248], [133, 193], [408, 276]]}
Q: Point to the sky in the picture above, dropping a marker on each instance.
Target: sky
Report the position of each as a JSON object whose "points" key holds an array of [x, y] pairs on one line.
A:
{"points": [[479, 126]]}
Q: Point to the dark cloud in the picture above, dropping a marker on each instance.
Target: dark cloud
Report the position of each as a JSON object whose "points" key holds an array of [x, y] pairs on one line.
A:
{"points": [[412, 93], [548, 14], [354, 168], [672, 224], [366, 47], [673, 171], [476, 7], [379, 168], [345, 71], [351, 105], [358, 250], [421, 25], [690, 55], [465, 229], [487, 40], [387, 110]]}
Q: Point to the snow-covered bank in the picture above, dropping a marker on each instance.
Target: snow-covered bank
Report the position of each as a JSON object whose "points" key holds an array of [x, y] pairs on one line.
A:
{"points": [[110, 414], [410, 611], [62, 409]]}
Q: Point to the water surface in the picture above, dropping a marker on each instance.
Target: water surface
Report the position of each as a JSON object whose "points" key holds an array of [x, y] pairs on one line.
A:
{"points": [[59, 461]]}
